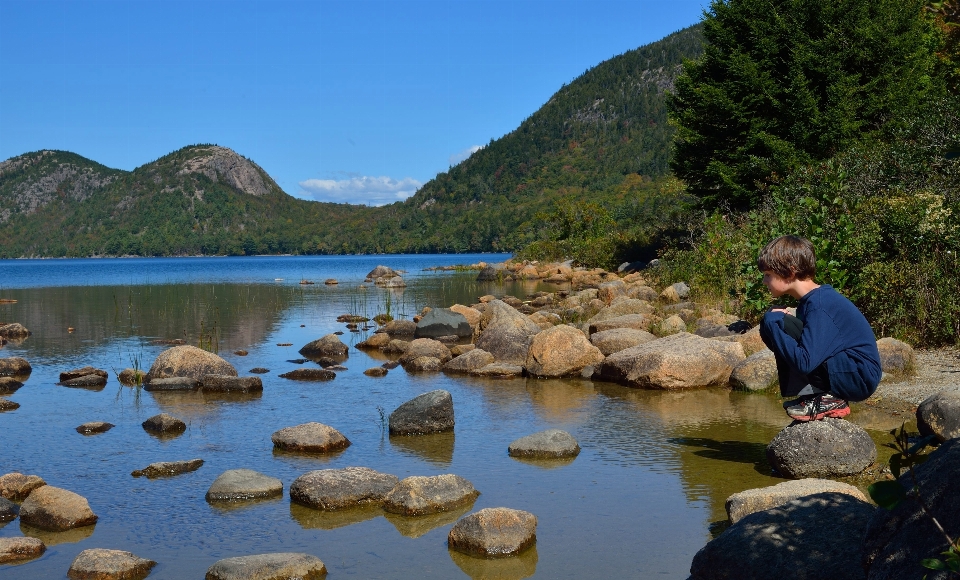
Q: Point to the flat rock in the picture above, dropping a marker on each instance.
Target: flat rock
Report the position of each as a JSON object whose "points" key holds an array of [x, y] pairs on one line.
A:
{"points": [[328, 346], [82, 372], [498, 370], [17, 486], [9, 385], [896, 357], [55, 509], [310, 375], [427, 413], [8, 510], [310, 438], [897, 540], [336, 489], [561, 351], [505, 333], [825, 448], [131, 377], [230, 384], [443, 322], [20, 548], [376, 372], [101, 564], [548, 444], [744, 503], [816, 536], [939, 415], [14, 366], [469, 361], [757, 372], [280, 566], [94, 427], [173, 384], [418, 495], [188, 361], [494, 533], [91, 380], [8, 405], [164, 423], [168, 468], [243, 485], [617, 339], [676, 362]]}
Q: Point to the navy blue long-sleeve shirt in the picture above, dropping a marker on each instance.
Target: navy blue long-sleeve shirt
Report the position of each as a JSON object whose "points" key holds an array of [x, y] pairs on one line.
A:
{"points": [[835, 332]]}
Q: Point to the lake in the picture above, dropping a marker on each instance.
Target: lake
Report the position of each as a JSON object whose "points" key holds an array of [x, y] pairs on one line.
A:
{"points": [[639, 501]]}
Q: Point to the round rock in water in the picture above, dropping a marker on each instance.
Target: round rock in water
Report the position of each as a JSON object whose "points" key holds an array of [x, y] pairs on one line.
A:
{"points": [[168, 468], [164, 423], [101, 564], [328, 346], [243, 485], [548, 444], [418, 495], [811, 537], [310, 438], [494, 533], [54, 509], [14, 367], [95, 427], [131, 377], [939, 415], [428, 413], [826, 448], [281, 566], [188, 361], [17, 486], [310, 375], [8, 510], [740, 505], [8, 405], [8, 385], [19, 548], [335, 489]]}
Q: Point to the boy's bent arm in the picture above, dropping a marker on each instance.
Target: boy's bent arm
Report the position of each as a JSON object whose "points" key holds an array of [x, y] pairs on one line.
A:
{"points": [[817, 341]]}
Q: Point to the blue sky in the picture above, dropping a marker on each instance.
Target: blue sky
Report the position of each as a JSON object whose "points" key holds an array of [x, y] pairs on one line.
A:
{"points": [[354, 101]]}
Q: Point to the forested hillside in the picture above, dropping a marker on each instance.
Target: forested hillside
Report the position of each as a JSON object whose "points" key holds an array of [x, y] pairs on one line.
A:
{"points": [[603, 139]]}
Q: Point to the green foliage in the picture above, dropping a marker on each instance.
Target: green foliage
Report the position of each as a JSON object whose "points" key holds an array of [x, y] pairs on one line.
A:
{"points": [[783, 83]]}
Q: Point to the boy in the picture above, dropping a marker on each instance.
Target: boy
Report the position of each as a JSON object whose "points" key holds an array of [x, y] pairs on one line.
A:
{"points": [[827, 354]]}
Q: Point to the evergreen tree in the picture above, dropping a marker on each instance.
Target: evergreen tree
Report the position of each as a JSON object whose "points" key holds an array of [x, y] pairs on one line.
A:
{"points": [[786, 82]]}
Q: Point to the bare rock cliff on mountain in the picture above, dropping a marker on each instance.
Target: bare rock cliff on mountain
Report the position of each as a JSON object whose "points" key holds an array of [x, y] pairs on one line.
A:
{"points": [[223, 164]]}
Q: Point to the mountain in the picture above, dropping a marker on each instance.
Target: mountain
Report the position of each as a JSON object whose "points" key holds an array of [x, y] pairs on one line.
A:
{"points": [[603, 138]]}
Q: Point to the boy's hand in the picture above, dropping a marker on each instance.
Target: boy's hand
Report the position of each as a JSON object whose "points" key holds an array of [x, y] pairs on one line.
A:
{"points": [[779, 309]]}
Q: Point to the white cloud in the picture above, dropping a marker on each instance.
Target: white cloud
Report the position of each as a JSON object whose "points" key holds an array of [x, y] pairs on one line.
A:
{"points": [[456, 158], [361, 190]]}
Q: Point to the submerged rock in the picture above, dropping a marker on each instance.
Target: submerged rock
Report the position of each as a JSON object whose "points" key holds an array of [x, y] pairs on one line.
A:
{"points": [[427, 413], [547, 444], [336, 489], [17, 486], [55, 509], [310, 438], [825, 448], [243, 485], [417, 495], [20, 548], [744, 503], [280, 566], [188, 361], [101, 564], [494, 533], [95, 427], [168, 468]]}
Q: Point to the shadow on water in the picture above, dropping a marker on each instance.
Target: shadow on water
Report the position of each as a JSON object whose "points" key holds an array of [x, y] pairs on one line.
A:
{"points": [[516, 567], [436, 448]]}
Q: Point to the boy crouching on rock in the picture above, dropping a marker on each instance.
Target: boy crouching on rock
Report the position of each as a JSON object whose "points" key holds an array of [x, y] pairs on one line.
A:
{"points": [[827, 354]]}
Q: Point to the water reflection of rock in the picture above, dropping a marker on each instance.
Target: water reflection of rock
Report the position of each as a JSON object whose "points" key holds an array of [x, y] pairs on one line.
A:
{"points": [[416, 526], [560, 399], [522, 565], [546, 463], [436, 448], [226, 507], [311, 519], [193, 405], [53, 538]]}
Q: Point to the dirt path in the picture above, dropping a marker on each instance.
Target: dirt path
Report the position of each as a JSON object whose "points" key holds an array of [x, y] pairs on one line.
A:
{"points": [[936, 370]]}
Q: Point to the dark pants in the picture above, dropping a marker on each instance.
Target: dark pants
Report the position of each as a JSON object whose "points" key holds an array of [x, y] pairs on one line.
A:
{"points": [[792, 381]]}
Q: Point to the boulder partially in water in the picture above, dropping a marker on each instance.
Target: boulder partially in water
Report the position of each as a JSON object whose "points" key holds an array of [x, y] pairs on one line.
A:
{"points": [[376, 372], [561, 351], [825, 448], [90, 381], [376, 340], [20, 548], [757, 372], [310, 438], [168, 468], [443, 322], [336, 489], [816, 536], [329, 345], [14, 366], [82, 372], [309, 375], [173, 384], [506, 333], [164, 423], [425, 347], [279, 566], [131, 377], [243, 485], [494, 533], [469, 361], [95, 427], [231, 384], [423, 364], [55, 509], [398, 328], [679, 361], [7, 405], [617, 339], [418, 495], [17, 486], [547, 444], [14, 330], [939, 415], [9, 385], [430, 412], [8, 510], [744, 503], [102, 564], [188, 361], [498, 370]]}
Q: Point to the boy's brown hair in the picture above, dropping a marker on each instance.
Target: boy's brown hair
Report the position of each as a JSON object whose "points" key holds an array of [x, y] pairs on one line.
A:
{"points": [[789, 256]]}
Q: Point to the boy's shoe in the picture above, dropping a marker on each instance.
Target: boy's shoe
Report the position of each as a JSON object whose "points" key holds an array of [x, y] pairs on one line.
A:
{"points": [[816, 407]]}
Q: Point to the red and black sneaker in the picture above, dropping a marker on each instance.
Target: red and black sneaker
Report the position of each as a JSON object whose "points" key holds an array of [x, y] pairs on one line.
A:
{"points": [[816, 407]]}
